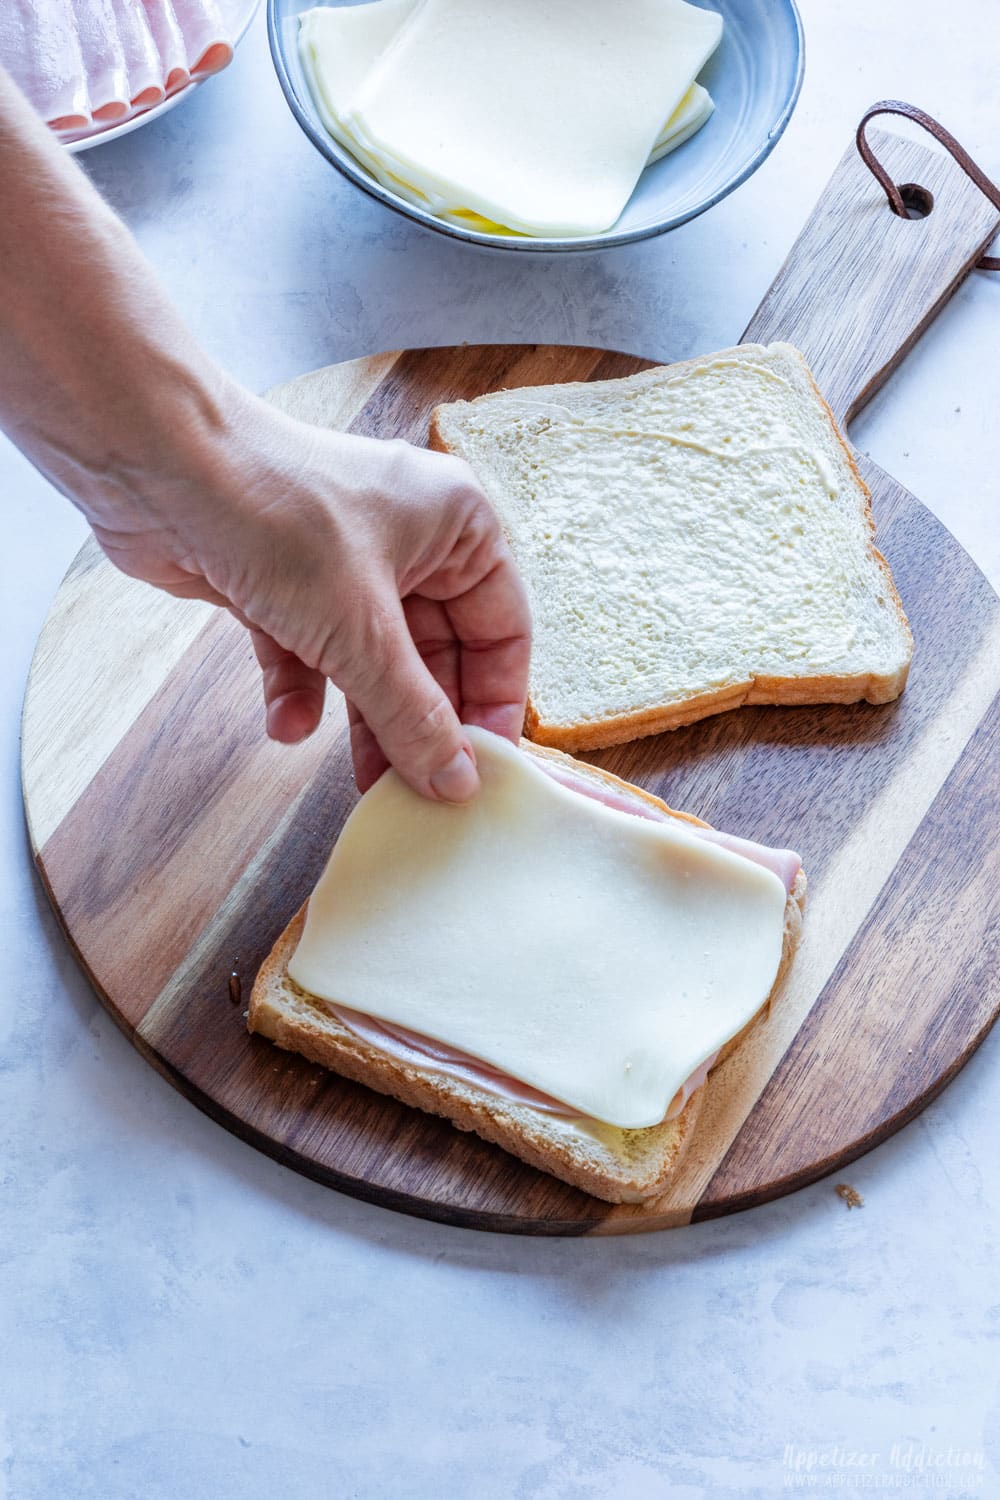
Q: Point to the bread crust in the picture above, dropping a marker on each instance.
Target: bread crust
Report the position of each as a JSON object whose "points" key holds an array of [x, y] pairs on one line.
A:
{"points": [[487, 1116], [786, 692], [645, 1159], [774, 691]]}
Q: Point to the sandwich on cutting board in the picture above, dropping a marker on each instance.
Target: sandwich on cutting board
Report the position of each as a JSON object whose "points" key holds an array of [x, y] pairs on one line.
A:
{"points": [[558, 965], [555, 965]]}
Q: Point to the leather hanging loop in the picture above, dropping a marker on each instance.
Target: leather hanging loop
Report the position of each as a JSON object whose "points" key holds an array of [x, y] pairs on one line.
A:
{"points": [[944, 138]]}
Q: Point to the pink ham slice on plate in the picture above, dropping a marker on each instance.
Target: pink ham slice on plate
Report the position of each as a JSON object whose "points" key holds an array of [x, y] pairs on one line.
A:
{"points": [[169, 41], [40, 48], [98, 62], [143, 68], [205, 36], [103, 60]]}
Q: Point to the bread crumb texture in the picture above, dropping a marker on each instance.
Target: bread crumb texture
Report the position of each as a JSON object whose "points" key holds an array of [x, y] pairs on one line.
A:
{"points": [[684, 532]]}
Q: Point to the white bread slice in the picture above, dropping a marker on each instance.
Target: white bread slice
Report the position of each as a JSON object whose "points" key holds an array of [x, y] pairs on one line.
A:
{"points": [[619, 1166], [692, 538]]}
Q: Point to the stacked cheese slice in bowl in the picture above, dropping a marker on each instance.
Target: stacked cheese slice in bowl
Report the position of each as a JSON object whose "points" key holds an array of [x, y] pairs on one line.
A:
{"points": [[535, 117]]}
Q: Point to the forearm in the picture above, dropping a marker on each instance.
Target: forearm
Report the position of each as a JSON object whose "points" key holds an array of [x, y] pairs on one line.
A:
{"points": [[378, 566], [101, 385]]}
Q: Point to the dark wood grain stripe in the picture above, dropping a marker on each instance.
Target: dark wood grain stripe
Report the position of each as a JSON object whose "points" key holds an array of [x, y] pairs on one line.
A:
{"points": [[421, 379], [615, 366], [872, 1053]]}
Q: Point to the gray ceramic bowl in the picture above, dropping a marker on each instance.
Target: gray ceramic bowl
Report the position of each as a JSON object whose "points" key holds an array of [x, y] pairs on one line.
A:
{"points": [[754, 78]]}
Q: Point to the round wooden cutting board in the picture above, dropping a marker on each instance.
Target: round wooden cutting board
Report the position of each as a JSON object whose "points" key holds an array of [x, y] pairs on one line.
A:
{"points": [[176, 842]]}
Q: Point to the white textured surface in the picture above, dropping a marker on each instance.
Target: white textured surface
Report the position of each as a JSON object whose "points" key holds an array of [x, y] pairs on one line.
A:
{"points": [[180, 1317]]}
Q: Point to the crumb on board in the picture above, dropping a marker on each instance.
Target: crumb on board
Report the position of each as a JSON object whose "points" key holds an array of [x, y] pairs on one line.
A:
{"points": [[850, 1195]]}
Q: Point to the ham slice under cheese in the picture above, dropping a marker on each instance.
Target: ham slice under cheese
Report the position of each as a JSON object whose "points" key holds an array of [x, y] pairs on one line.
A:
{"points": [[415, 1050], [783, 862]]}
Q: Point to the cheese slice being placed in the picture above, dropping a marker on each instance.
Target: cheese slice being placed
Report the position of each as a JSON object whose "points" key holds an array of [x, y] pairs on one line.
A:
{"points": [[339, 45], [537, 114], [596, 956]]}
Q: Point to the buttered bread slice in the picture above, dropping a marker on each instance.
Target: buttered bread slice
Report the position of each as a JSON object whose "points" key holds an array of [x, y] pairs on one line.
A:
{"points": [[692, 538]]}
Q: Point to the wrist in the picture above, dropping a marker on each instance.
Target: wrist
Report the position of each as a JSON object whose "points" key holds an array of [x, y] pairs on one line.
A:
{"points": [[233, 473], [158, 450]]}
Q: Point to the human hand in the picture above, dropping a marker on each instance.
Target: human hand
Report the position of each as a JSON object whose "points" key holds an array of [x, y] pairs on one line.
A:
{"points": [[375, 564]]}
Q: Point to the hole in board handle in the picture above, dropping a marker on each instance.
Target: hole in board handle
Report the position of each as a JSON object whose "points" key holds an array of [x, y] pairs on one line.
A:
{"points": [[917, 200]]}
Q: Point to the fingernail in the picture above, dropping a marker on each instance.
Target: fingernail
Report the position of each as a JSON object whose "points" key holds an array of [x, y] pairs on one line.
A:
{"points": [[287, 723], [458, 781]]}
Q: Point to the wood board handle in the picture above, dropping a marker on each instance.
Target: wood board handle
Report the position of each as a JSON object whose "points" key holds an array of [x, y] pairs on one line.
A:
{"points": [[861, 284]]}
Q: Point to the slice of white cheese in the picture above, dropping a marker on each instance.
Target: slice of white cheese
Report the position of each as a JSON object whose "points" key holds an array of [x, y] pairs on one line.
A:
{"points": [[338, 46], [348, 39], [539, 114], [689, 116], [597, 956]]}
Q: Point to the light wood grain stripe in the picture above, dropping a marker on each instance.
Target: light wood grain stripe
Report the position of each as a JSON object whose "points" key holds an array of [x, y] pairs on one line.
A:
{"points": [[860, 285], [197, 788], [837, 907], [935, 929], [333, 401], [80, 703]]}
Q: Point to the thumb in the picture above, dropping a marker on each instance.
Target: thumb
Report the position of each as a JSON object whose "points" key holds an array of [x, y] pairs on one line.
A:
{"points": [[407, 712]]}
